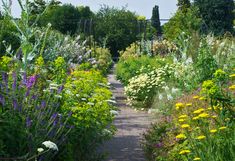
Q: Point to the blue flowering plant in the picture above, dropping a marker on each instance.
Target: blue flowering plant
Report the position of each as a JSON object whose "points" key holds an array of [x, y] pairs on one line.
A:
{"points": [[28, 117]]}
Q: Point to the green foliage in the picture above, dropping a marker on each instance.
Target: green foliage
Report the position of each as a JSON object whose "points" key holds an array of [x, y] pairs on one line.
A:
{"points": [[63, 18], [182, 21], [130, 66], [103, 59], [217, 15], [183, 5], [87, 95], [155, 20], [142, 88], [116, 28], [8, 36], [205, 64]]}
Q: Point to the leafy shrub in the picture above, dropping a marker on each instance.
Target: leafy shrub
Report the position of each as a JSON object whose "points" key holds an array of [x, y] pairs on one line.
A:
{"points": [[187, 22], [103, 59], [8, 36], [163, 47], [199, 125], [143, 87], [86, 94], [29, 117], [130, 67]]}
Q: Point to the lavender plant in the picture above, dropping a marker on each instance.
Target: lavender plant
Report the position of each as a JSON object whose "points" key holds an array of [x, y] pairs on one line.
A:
{"points": [[29, 116]]}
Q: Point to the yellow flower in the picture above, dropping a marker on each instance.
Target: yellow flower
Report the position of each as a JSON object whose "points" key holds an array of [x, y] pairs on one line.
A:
{"points": [[196, 118], [181, 136], [196, 97], [184, 152], [223, 128], [182, 116], [232, 87], [184, 126], [202, 98], [181, 120], [203, 115], [227, 119], [189, 104], [209, 108], [179, 105], [214, 116], [198, 111], [197, 158], [213, 131], [201, 137], [232, 75]]}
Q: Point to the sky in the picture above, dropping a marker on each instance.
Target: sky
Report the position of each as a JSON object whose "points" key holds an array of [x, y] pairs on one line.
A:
{"points": [[142, 7]]}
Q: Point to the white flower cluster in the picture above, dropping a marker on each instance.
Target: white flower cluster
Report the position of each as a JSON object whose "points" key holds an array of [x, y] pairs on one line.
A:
{"points": [[144, 86]]}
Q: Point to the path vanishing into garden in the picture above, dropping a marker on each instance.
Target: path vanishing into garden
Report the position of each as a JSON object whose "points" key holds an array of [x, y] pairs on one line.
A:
{"points": [[130, 124]]}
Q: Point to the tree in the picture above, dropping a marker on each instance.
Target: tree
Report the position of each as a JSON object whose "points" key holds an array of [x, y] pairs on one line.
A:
{"points": [[217, 15], [115, 28], [63, 18], [182, 21], [183, 5], [38, 6], [155, 20]]}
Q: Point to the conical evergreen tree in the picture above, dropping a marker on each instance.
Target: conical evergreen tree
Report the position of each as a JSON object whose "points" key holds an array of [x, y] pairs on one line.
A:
{"points": [[155, 20]]}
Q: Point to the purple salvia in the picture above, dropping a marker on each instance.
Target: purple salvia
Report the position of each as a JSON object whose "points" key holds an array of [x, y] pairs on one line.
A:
{"points": [[159, 145], [43, 104], [15, 104], [54, 115], [14, 81], [31, 81], [60, 89], [28, 122], [2, 100], [24, 78], [70, 114], [5, 79]]}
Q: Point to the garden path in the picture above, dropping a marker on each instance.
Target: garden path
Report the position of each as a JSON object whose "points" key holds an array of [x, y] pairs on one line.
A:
{"points": [[125, 146]]}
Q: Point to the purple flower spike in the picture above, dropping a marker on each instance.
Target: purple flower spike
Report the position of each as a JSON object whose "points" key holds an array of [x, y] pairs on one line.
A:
{"points": [[28, 122], [14, 81], [70, 114], [2, 100], [15, 104], [60, 89], [159, 145], [43, 104], [54, 116], [31, 81]]}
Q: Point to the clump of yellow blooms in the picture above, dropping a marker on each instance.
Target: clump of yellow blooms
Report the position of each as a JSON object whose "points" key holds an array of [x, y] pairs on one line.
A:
{"points": [[189, 104], [198, 111], [232, 76], [223, 128], [232, 87], [203, 115], [196, 97], [181, 136], [213, 131], [181, 120], [197, 158], [179, 106], [185, 126], [183, 116], [182, 152], [201, 137]]}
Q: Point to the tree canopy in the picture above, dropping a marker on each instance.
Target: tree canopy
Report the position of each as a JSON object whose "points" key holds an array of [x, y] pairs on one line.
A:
{"points": [[115, 28]]}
